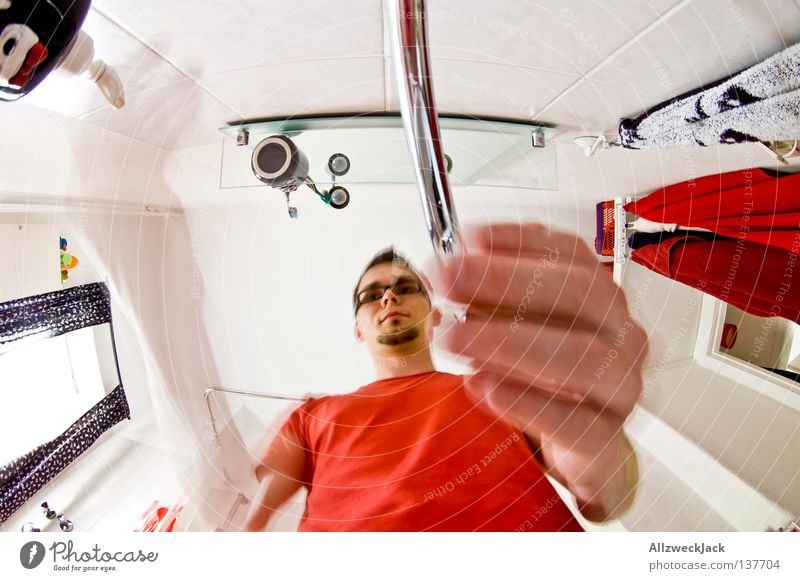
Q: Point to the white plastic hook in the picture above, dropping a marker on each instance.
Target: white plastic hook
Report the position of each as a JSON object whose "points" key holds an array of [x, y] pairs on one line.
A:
{"points": [[591, 143]]}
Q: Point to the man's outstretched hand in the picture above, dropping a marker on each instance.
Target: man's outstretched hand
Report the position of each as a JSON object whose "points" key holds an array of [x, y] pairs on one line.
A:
{"points": [[555, 350]]}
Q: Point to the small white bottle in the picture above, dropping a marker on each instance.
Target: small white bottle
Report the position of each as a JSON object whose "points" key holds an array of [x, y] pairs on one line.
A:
{"points": [[80, 61]]}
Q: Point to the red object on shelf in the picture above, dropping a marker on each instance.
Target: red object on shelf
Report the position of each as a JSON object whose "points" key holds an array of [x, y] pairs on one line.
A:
{"points": [[604, 241], [159, 518], [729, 335]]}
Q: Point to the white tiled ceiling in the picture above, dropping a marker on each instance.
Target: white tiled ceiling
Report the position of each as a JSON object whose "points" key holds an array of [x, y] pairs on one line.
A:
{"points": [[348, 85], [171, 116], [697, 43], [701, 42], [486, 89], [204, 37], [565, 36], [189, 67]]}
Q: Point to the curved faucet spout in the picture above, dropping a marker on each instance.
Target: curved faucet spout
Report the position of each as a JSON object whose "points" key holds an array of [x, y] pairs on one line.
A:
{"points": [[408, 24]]}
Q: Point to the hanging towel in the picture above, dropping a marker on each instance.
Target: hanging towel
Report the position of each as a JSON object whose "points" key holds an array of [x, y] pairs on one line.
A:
{"points": [[640, 239], [748, 204], [758, 279], [761, 103]]}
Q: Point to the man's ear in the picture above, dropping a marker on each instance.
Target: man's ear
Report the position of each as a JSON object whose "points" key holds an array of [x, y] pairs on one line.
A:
{"points": [[357, 333], [437, 317]]}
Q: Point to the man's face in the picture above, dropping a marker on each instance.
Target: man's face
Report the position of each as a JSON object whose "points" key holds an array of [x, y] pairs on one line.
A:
{"points": [[397, 322]]}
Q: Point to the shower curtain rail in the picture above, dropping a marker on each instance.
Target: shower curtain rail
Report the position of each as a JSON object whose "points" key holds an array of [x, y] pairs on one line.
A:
{"points": [[217, 389]]}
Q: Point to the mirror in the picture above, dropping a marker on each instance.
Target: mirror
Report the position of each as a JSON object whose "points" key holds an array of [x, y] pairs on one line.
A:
{"points": [[51, 382], [772, 343], [59, 399]]}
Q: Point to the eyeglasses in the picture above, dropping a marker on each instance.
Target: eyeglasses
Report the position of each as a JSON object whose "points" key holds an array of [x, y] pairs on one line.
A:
{"points": [[400, 287]]}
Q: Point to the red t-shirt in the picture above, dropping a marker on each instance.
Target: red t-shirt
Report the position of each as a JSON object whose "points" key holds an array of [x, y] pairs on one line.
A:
{"points": [[415, 453]]}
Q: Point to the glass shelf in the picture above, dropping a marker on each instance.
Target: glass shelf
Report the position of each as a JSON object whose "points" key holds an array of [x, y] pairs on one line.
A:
{"points": [[483, 152]]}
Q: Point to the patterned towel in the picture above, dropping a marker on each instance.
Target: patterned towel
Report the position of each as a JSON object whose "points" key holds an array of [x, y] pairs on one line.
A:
{"points": [[761, 103]]}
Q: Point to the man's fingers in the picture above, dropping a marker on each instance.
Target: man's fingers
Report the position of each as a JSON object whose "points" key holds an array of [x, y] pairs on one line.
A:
{"points": [[541, 286], [576, 364], [569, 425], [522, 239]]}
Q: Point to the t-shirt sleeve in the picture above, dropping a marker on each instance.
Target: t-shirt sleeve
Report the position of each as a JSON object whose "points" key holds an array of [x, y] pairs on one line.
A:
{"points": [[289, 441]]}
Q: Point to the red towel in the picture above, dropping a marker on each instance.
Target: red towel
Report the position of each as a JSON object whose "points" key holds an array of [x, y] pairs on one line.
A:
{"points": [[748, 204], [761, 280]]}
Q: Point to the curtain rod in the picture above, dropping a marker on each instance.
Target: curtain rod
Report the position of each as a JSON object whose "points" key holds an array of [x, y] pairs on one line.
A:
{"points": [[26, 202]]}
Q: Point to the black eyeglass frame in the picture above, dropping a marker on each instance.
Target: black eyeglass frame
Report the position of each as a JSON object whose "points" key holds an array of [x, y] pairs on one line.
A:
{"points": [[384, 287]]}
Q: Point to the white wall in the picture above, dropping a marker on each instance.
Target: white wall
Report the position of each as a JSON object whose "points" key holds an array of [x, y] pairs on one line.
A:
{"points": [[46, 154], [32, 259]]}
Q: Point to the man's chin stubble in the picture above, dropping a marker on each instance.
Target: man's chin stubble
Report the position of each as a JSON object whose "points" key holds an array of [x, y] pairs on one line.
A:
{"points": [[399, 337]]}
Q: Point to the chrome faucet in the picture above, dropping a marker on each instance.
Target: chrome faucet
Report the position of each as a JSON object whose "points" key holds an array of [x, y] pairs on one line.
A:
{"points": [[409, 30], [408, 23]]}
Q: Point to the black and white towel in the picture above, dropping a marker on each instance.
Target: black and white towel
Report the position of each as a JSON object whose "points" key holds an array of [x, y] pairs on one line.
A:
{"points": [[761, 103]]}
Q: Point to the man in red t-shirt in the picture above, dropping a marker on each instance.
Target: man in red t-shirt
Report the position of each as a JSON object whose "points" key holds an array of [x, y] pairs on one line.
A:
{"points": [[558, 363]]}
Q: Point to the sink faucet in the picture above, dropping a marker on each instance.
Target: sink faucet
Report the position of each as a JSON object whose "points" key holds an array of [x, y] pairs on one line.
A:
{"points": [[408, 23]]}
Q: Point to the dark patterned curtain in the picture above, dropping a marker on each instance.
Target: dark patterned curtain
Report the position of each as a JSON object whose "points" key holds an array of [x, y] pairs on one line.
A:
{"points": [[56, 313], [50, 315]]}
